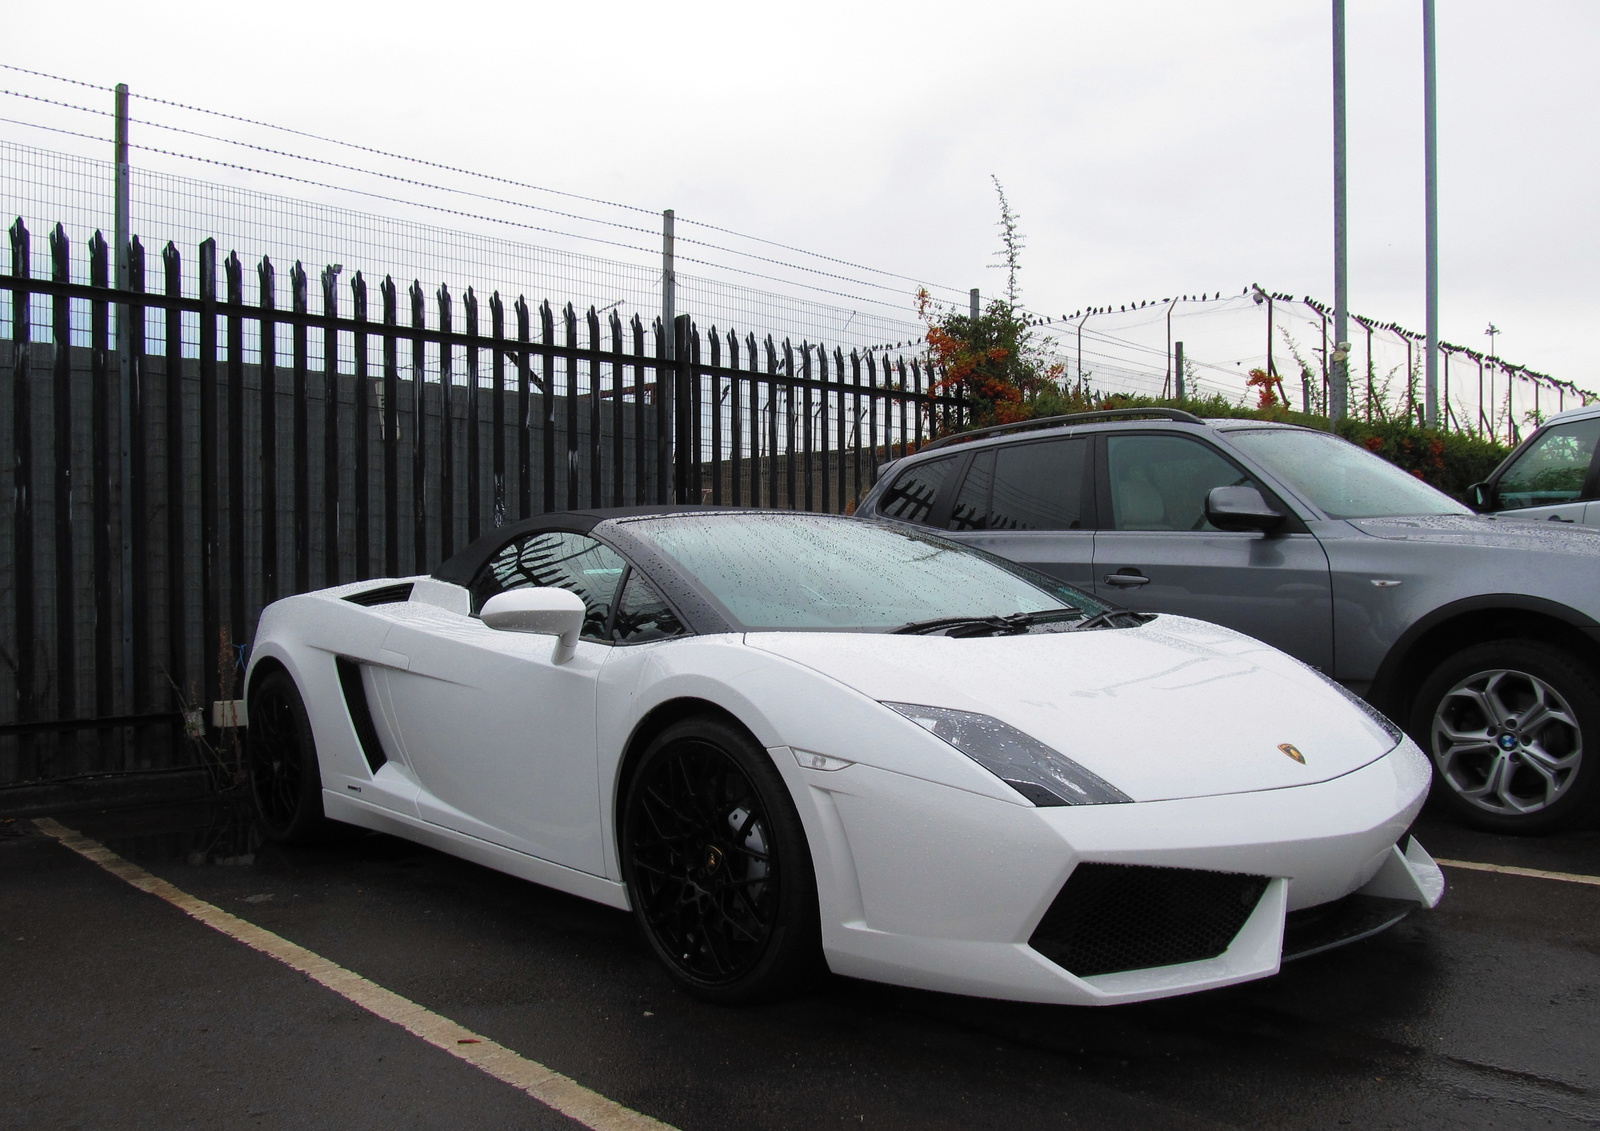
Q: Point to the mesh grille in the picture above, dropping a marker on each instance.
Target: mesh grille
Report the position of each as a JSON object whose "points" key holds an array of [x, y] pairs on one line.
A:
{"points": [[1114, 917]]}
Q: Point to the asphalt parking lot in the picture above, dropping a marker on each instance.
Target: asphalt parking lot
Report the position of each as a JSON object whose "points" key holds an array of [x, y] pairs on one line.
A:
{"points": [[120, 1010]]}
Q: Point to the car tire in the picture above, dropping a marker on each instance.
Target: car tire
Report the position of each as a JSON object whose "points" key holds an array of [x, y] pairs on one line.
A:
{"points": [[717, 865], [1496, 766], [281, 752]]}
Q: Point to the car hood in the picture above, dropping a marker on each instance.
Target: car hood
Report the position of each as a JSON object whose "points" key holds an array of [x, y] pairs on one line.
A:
{"points": [[1175, 708], [1488, 531]]}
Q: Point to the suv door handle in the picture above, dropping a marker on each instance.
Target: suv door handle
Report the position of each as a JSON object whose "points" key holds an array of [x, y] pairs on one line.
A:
{"points": [[1558, 518], [1127, 579]]}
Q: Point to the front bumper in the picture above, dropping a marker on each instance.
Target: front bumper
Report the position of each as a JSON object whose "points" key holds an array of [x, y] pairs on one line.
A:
{"points": [[923, 885]]}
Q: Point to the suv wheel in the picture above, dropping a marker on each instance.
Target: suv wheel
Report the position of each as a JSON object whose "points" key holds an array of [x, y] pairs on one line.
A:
{"points": [[1513, 728]]}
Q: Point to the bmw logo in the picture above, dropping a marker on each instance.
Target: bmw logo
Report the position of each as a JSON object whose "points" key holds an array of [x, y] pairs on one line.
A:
{"points": [[1508, 742]]}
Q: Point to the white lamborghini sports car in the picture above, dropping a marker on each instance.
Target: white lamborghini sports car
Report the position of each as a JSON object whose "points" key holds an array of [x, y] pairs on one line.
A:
{"points": [[788, 739]]}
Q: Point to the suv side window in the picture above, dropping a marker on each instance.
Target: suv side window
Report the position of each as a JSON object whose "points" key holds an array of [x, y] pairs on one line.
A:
{"points": [[971, 509], [1160, 482], [915, 491], [574, 562], [1553, 469], [1029, 486], [1039, 486]]}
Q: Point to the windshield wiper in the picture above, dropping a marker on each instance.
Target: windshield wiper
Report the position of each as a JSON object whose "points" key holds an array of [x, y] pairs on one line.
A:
{"points": [[1108, 619], [1013, 625]]}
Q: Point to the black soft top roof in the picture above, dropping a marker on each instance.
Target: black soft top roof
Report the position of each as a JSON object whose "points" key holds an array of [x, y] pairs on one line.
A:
{"points": [[462, 566]]}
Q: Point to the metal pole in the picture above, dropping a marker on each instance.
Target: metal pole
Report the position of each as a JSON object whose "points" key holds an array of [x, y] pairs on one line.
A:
{"points": [[1341, 327], [666, 375], [1430, 179], [124, 346], [1178, 367], [669, 285], [973, 304]]}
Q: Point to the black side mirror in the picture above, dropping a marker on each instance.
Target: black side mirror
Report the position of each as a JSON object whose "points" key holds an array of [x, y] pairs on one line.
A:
{"points": [[1240, 508], [1481, 497]]}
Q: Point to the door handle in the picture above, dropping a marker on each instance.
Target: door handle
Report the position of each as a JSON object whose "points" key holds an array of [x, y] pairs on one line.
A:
{"points": [[1127, 579], [1558, 518]]}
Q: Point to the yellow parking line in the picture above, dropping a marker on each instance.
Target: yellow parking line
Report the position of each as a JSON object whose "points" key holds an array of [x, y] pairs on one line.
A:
{"points": [[1508, 870], [547, 1086]]}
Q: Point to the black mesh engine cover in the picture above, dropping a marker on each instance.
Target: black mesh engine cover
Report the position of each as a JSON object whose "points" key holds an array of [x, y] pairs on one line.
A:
{"points": [[1113, 917]]}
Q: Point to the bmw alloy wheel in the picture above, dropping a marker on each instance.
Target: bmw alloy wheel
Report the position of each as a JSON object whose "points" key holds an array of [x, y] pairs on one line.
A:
{"points": [[1506, 741]]}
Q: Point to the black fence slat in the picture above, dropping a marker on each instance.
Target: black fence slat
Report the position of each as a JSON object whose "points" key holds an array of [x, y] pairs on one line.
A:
{"points": [[665, 378], [138, 538], [299, 287], [209, 472], [418, 433], [66, 591], [497, 329], [595, 417], [330, 427], [805, 367], [716, 415], [447, 429], [790, 495], [640, 493], [389, 409], [547, 334], [177, 475], [774, 466], [100, 439], [524, 413], [918, 402], [474, 500], [902, 404], [359, 427], [735, 427], [269, 432], [569, 325], [824, 481], [752, 355], [855, 418], [23, 663], [839, 423], [236, 559], [618, 414]]}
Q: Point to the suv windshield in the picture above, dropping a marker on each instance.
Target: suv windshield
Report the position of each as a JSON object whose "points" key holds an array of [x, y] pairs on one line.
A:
{"points": [[802, 571], [1343, 480]]}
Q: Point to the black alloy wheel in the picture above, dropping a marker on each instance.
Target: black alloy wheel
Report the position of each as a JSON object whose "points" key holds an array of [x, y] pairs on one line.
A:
{"points": [[1513, 730], [285, 781], [717, 865]]}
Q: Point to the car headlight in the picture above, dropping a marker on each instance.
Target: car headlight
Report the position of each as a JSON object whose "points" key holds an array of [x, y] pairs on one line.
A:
{"points": [[1042, 775]]}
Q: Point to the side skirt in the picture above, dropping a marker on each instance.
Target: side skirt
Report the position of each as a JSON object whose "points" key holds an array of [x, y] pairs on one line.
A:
{"points": [[351, 810]]}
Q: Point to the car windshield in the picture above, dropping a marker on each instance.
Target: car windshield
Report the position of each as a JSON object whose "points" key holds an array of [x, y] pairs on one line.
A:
{"points": [[1340, 478], [805, 571]]}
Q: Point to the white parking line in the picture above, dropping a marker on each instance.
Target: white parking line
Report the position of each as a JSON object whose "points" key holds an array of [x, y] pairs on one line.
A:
{"points": [[547, 1086], [1508, 870]]}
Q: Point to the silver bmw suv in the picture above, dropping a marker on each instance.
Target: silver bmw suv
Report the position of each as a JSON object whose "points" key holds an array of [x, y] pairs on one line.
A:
{"points": [[1480, 633]]}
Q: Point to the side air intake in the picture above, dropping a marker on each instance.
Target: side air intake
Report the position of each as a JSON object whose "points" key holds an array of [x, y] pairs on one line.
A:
{"points": [[355, 699], [1114, 917], [383, 595]]}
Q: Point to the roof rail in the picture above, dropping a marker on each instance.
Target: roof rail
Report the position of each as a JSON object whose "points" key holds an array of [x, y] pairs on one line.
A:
{"points": [[1071, 418]]}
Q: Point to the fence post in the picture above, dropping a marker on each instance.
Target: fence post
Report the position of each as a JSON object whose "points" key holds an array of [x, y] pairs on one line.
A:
{"points": [[1177, 358], [125, 390]]}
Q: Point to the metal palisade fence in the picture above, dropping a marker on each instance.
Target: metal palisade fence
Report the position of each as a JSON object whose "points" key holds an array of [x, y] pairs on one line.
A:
{"points": [[177, 461]]}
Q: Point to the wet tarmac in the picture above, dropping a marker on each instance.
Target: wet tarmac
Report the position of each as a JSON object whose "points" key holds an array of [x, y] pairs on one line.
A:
{"points": [[120, 1011]]}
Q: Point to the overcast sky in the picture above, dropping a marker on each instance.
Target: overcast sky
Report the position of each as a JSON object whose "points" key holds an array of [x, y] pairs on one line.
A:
{"points": [[1150, 149]]}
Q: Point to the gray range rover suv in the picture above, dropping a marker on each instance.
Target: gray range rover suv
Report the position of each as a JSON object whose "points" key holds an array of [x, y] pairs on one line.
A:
{"points": [[1480, 633]]}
